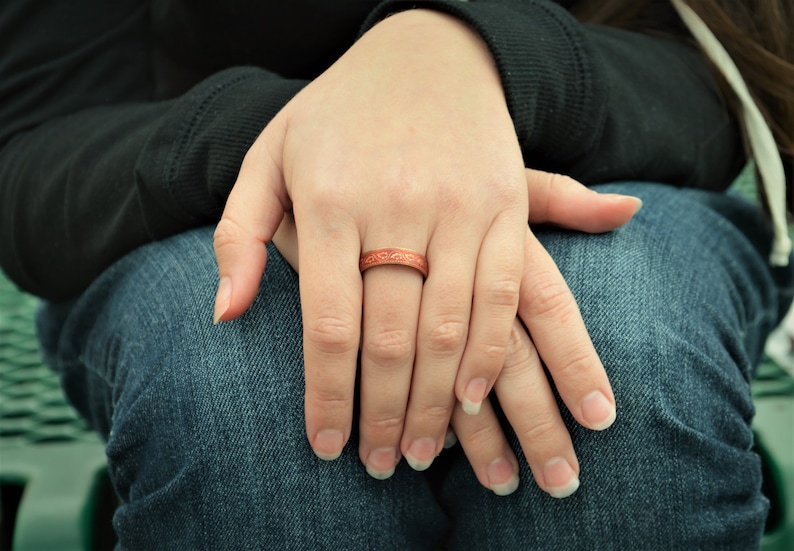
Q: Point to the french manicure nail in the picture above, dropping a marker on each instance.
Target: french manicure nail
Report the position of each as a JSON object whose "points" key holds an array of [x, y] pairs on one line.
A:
{"points": [[421, 453], [222, 299], [474, 395], [381, 463], [561, 479], [598, 412], [502, 479], [328, 444]]}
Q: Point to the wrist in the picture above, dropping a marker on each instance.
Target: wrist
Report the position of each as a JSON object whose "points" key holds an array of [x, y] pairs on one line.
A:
{"points": [[435, 40]]}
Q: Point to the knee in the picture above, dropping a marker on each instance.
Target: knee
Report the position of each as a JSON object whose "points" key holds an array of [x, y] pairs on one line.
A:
{"points": [[674, 302], [680, 273], [185, 392]]}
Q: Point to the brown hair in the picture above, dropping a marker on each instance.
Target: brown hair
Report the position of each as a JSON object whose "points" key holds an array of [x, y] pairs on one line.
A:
{"points": [[756, 33]]}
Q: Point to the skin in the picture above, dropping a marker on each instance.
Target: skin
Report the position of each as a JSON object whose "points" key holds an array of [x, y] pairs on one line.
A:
{"points": [[523, 389], [366, 157]]}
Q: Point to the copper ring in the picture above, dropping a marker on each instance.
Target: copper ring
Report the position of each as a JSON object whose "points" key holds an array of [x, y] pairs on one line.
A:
{"points": [[404, 257]]}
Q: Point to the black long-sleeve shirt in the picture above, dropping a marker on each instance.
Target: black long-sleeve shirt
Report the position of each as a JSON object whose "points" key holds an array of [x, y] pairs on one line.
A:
{"points": [[125, 122]]}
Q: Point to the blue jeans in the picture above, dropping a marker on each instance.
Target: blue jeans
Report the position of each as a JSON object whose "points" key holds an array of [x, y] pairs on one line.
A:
{"points": [[205, 432]]}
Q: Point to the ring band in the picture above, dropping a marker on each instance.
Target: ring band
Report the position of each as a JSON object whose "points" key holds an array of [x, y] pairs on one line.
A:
{"points": [[403, 257]]}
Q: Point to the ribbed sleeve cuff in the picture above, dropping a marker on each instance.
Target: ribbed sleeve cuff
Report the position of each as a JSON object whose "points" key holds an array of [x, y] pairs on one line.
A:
{"points": [[191, 162]]}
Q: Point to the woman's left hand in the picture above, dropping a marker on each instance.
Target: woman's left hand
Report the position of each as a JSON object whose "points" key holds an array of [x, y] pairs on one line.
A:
{"points": [[405, 141]]}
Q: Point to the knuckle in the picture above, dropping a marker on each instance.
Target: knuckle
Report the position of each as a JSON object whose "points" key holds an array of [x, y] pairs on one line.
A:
{"points": [[329, 194], [383, 423], [447, 336], [490, 354], [540, 202], [503, 292], [434, 414], [478, 434], [549, 298], [515, 342], [519, 352], [389, 347], [542, 428], [332, 334], [556, 180], [330, 400], [506, 188], [566, 181], [505, 178], [575, 363], [404, 192], [227, 232], [334, 213], [450, 201], [331, 199], [331, 203]]}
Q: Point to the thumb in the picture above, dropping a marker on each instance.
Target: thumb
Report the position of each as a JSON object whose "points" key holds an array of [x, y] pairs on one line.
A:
{"points": [[561, 200], [253, 211]]}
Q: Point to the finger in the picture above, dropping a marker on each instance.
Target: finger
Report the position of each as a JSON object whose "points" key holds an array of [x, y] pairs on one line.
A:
{"points": [[549, 311], [560, 200], [331, 301], [500, 265], [391, 308], [527, 400], [486, 448], [286, 240], [450, 438], [441, 338], [252, 213]]}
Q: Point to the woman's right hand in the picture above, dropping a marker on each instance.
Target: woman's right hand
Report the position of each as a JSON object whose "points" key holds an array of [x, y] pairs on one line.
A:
{"points": [[550, 327]]}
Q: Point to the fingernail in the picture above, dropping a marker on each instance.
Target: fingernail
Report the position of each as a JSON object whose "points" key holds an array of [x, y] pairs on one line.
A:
{"points": [[561, 479], [222, 299], [450, 439], [474, 395], [597, 411], [502, 479], [381, 463], [421, 453], [328, 444], [618, 197]]}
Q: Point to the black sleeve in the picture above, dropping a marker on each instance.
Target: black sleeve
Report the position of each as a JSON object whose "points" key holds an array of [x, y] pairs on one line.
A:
{"points": [[598, 103], [91, 165]]}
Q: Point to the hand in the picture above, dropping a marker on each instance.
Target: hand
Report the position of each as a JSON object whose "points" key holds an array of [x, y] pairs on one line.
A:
{"points": [[555, 324], [391, 147], [522, 387]]}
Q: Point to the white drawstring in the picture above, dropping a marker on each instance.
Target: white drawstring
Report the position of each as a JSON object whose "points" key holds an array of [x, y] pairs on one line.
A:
{"points": [[762, 142]]}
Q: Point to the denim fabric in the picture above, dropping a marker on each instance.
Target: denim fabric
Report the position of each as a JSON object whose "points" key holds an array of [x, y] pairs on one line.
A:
{"points": [[205, 432]]}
